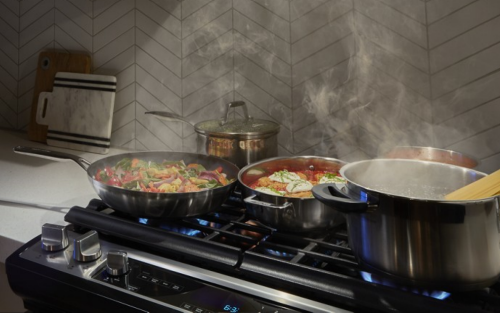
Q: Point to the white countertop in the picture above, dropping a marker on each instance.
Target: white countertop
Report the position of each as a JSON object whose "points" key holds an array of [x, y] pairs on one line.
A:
{"points": [[58, 185]]}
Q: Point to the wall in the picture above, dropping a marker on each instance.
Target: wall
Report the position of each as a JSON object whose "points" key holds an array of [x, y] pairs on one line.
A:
{"points": [[344, 78]]}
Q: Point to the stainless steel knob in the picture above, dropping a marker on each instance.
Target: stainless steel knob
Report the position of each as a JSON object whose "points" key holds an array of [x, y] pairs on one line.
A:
{"points": [[87, 247], [117, 263], [54, 237]]}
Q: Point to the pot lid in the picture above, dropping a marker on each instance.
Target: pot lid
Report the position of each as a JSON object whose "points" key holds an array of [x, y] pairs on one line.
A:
{"points": [[246, 126]]}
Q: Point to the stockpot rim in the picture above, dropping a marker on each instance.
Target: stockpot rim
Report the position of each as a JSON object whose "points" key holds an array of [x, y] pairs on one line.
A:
{"points": [[347, 166]]}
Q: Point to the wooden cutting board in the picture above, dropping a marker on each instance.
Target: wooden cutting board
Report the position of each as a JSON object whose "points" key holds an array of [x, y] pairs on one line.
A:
{"points": [[49, 63]]}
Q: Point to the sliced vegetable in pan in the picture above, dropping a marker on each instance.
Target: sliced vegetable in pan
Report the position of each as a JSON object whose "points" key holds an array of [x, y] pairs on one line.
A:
{"points": [[167, 176]]}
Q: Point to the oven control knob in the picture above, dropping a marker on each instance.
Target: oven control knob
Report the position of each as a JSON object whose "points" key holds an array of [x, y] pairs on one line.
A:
{"points": [[87, 247], [54, 237], [117, 263]]}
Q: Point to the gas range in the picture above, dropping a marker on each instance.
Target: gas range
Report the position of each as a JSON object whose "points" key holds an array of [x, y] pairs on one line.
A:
{"points": [[103, 261]]}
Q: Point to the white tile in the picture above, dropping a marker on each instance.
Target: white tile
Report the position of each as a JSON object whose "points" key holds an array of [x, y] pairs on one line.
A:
{"points": [[465, 45], [158, 52], [126, 76], [70, 36], [208, 93], [123, 136], [263, 79], [118, 27], [39, 9], [73, 13], [467, 97], [462, 20], [85, 6], [36, 27], [392, 41], [437, 9], [319, 18], [116, 49], [204, 16], [264, 105], [155, 131], [207, 34], [208, 74], [109, 15], [328, 80], [412, 30], [99, 7], [263, 58], [484, 146], [301, 7], [262, 37], [278, 7], [8, 97], [159, 72], [159, 91], [207, 54], [264, 18], [191, 6], [322, 38], [8, 115], [209, 110], [43, 40], [123, 116], [413, 78], [171, 6], [124, 97], [8, 64], [413, 9], [465, 125], [158, 18], [319, 101], [466, 71], [9, 15], [323, 60], [159, 34]]}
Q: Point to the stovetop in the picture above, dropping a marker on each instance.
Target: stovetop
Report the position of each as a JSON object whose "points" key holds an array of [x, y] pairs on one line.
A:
{"points": [[316, 266]]}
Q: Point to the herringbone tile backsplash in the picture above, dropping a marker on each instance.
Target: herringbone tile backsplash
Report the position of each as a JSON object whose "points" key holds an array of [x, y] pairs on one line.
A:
{"points": [[344, 78]]}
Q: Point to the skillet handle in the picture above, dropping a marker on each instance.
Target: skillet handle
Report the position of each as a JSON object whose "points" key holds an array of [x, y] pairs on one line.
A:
{"points": [[52, 155], [330, 195], [251, 200]]}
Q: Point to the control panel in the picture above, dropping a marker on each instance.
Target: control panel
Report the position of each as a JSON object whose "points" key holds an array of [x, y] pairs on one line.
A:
{"points": [[184, 292]]}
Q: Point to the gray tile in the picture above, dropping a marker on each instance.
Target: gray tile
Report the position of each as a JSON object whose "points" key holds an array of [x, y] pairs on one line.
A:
{"points": [[157, 12], [320, 17], [158, 91], [264, 18], [204, 16], [438, 9], [462, 20], [465, 45]]}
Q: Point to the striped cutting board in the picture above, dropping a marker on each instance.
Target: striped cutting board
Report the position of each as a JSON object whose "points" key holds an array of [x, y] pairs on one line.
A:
{"points": [[79, 111]]}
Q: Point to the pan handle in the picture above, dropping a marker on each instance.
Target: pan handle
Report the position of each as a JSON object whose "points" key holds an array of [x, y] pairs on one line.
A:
{"points": [[331, 196], [52, 155], [251, 200]]}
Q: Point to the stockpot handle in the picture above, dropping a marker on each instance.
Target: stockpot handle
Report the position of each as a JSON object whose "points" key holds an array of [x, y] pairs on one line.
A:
{"points": [[251, 200], [235, 104], [331, 195], [52, 155]]}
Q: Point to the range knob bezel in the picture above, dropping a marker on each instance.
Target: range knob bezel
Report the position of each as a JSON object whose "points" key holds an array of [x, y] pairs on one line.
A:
{"points": [[87, 247], [117, 263], [54, 237]]}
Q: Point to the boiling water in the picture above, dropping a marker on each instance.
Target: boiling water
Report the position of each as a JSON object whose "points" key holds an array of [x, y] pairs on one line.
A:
{"points": [[421, 192]]}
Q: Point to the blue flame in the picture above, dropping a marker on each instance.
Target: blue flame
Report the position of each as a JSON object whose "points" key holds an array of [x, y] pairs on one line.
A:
{"points": [[440, 295], [364, 196]]}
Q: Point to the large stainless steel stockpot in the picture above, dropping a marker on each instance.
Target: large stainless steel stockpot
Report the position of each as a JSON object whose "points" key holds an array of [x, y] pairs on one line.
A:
{"points": [[285, 213], [401, 227], [240, 141]]}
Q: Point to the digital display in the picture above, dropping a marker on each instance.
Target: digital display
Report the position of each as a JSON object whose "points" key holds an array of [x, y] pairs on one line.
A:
{"points": [[230, 308]]}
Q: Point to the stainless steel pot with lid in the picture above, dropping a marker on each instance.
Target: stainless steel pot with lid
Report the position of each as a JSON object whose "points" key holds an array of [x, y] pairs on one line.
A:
{"points": [[240, 141], [401, 228]]}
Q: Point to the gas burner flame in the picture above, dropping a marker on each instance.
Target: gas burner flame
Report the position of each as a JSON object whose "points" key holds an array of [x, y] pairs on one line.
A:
{"points": [[280, 254], [176, 229], [440, 295]]}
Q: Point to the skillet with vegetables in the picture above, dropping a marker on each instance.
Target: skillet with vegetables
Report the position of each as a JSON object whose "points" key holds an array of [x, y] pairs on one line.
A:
{"points": [[164, 177]]}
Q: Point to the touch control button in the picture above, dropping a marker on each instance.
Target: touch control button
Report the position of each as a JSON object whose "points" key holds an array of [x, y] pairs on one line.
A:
{"points": [[87, 247], [54, 237]]}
